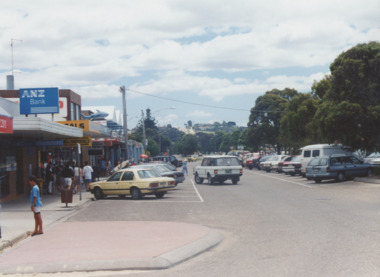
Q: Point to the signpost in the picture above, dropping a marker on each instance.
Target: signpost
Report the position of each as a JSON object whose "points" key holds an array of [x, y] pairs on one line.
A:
{"points": [[39, 101]]}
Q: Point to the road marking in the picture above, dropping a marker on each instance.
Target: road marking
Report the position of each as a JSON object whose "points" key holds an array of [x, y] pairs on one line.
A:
{"points": [[200, 197], [300, 184]]}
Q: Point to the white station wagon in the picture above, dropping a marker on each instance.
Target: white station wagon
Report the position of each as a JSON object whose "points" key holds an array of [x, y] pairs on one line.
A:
{"points": [[218, 168]]}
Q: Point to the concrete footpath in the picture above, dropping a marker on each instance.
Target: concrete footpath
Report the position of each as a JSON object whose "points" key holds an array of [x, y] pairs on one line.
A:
{"points": [[92, 246]]}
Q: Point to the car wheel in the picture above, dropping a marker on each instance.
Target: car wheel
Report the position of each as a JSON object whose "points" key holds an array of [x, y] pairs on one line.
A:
{"points": [[235, 180], [317, 181], [136, 193], [98, 193], [160, 194], [340, 177], [250, 167], [198, 179], [210, 180]]}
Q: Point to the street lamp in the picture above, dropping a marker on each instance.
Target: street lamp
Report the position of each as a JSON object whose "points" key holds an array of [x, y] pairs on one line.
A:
{"points": [[122, 90]]}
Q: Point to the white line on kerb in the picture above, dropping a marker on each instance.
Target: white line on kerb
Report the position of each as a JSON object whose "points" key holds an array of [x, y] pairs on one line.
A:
{"points": [[200, 197]]}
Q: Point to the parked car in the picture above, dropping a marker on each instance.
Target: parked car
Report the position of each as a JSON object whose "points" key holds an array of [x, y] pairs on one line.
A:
{"points": [[218, 168], [292, 167], [283, 164], [133, 181], [316, 150], [171, 159], [252, 161], [261, 160], [272, 162], [164, 171], [373, 158], [338, 167]]}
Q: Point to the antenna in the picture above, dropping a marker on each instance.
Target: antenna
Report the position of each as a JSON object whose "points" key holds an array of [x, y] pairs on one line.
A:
{"points": [[13, 39]]}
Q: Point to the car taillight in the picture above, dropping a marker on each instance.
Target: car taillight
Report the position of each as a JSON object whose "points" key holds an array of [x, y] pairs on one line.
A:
{"points": [[153, 185], [241, 171], [328, 168], [215, 171], [172, 183]]}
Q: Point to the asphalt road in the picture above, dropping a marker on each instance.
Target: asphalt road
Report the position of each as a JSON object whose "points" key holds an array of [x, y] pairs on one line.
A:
{"points": [[273, 224]]}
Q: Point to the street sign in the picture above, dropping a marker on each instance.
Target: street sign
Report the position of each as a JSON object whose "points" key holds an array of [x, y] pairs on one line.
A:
{"points": [[39, 100]]}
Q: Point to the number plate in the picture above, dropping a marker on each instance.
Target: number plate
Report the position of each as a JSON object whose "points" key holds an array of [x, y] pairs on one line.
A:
{"points": [[228, 171], [162, 184]]}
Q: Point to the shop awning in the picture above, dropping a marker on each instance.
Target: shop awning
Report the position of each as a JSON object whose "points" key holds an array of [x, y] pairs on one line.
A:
{"points": [[6, 122]]}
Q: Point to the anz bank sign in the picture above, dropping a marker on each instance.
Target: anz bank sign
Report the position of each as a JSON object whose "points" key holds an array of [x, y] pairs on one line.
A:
{"points": [[39, 100]]}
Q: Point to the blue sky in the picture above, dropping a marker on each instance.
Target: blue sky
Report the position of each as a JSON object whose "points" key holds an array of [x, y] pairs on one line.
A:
{"points": [[214, 53]]}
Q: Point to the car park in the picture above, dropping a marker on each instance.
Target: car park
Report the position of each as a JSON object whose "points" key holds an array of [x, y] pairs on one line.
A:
{"points": [[218, 169], [136, 182], [272, 162], [339, 167], [292, 167], [164, 171]]}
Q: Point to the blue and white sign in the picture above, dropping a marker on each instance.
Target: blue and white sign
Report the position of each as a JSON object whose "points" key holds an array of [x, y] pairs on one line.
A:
{"points": [[39, 100]]}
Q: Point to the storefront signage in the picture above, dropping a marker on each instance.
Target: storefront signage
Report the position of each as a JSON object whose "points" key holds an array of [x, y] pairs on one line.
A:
{"points": [[6, 125], [39, 100], [83, 124], [73, 142], [31, 143]]}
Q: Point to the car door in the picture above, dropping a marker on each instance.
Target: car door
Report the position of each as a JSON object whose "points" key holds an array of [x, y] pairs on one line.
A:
{"points": [[112, 184], [360, 169], [350, 170], [127, 180]]}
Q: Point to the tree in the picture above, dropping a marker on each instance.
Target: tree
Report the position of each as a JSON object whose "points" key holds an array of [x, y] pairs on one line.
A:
{"points": [[188, 144], [351, 98], [265, 117], [297, 125]]}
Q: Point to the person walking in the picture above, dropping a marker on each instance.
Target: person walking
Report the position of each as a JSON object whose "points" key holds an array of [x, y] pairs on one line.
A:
{"points": [[49, 176], [68, 175], [78, 178], [184, 167], [35, 205], [87, 175]]}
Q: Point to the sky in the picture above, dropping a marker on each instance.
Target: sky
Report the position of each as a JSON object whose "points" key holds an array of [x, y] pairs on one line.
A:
{"points": [[203, 61]]}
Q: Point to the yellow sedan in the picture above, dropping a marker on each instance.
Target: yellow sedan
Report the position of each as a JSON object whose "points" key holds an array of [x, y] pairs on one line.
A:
{"points": [[135, 182]]}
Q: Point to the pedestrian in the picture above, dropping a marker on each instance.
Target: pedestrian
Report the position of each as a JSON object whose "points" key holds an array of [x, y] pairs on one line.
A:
{"points": [[184, 167], [68, 175], [35, 205], [78, 176], [49, 177], [87, 175]]}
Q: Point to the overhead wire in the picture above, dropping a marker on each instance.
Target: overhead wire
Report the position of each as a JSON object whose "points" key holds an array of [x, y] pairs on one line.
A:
{"points": [[196, 104]]}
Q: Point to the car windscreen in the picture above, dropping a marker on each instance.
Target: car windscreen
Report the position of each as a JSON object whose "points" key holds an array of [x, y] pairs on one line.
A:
{"points": [[227, 161], [145, 174]]}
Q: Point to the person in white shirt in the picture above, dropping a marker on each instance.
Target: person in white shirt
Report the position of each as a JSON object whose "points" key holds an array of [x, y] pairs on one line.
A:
{"points": [[87, 175]]}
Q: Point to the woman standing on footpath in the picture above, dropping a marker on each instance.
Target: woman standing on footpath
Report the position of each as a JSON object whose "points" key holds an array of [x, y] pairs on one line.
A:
{"points": [[35, 205]]}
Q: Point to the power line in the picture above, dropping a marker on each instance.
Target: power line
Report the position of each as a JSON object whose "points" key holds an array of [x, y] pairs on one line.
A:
{"points": [[202, 105], [190, 103]]}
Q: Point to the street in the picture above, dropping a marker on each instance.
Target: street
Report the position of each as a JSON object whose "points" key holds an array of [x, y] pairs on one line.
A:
{"points": [[273, 225]]}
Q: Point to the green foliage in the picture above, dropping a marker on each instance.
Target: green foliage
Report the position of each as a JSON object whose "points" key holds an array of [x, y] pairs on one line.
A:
{"points": [[188, 144]]}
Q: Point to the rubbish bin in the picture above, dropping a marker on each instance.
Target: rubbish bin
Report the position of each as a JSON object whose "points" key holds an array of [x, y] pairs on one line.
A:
{"points": [[66, 196]]}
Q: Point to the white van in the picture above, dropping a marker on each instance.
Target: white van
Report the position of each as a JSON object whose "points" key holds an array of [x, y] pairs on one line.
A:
{"points": [[316, 150]]}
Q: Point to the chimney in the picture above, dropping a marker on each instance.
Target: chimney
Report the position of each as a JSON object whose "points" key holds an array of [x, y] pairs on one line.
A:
{"points": [[10, 82]]}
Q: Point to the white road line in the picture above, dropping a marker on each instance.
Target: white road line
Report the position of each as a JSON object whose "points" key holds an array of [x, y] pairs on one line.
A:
{"points": [[200, 197], [268, 175]]}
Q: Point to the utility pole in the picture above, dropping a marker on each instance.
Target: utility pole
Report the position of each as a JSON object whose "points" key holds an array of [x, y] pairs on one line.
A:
{"points": [[122, 90], [144, 136]]}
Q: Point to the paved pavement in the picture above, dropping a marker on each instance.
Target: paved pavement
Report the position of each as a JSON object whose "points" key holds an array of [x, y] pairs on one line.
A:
{"points": [[88, 246]]}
